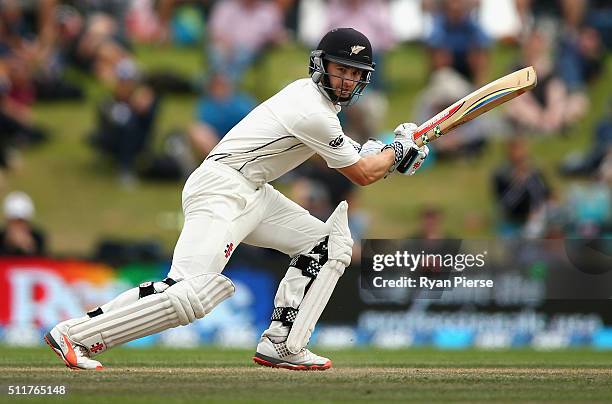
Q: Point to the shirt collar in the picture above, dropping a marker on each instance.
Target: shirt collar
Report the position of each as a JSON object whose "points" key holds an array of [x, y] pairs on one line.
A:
{"points": [[337, 108]]}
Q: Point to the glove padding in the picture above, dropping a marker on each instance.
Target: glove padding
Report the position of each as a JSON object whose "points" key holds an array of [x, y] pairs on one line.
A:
{"points": [[371, 147], [408, 156], [413, 161]]}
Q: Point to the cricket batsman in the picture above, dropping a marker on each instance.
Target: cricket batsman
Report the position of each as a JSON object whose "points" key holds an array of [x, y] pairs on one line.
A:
{"points": [[228, 200]]}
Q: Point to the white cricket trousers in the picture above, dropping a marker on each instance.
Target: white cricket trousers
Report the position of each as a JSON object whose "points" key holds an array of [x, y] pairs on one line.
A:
{"points": [[223, 209]]}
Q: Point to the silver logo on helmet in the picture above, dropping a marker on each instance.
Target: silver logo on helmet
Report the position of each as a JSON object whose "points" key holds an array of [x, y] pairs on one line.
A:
{"points": [[356, 49]]}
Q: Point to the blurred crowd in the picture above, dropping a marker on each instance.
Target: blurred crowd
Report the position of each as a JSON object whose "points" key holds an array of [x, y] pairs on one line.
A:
{"points": [[46, 46]]}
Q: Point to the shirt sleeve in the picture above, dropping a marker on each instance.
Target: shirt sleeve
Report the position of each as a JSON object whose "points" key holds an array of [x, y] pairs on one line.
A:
{"points": [[323, 134]]}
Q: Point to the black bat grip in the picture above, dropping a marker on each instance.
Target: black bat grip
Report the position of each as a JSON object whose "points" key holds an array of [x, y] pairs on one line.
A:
{"points": [[407, 161]]}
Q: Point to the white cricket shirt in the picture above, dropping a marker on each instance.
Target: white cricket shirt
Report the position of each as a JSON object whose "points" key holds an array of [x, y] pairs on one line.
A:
{"points": [[283, 132]]}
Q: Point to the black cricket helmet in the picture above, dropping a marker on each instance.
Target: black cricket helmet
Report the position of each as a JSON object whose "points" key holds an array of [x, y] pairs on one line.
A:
{"points": [[348, 47]]}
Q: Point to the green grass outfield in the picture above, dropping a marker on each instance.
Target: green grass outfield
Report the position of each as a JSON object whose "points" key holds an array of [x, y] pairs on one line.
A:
{"points": [[202, 375]]}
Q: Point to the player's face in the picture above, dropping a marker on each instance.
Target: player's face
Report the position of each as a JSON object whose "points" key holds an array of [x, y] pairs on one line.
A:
{"points": [[343, 79]]}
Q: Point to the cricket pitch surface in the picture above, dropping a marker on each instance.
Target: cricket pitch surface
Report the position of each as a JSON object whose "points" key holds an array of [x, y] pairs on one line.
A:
{"points": [[218, 375]]}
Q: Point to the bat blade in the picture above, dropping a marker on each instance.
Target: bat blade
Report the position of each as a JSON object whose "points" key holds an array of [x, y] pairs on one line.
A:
{"points": [[476, 103]]}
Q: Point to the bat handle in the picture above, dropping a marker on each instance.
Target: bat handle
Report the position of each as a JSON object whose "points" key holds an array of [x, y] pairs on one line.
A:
{"points": [[407, 161]]}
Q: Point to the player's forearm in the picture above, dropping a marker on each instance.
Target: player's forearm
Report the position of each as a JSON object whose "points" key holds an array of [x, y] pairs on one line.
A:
{"points": [[376, 166], [382, 163]]}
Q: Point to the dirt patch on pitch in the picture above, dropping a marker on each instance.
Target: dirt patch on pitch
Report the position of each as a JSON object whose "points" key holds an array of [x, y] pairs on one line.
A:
{"points": [[352, 372], [476, 371]]}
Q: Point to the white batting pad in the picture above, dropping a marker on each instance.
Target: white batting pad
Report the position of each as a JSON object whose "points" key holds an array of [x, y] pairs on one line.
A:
{"points": [[340, 246], [180, 304]]}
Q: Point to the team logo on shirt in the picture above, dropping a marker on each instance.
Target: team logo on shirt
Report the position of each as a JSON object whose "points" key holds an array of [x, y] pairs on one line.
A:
{"points": [[337, 142], [356, 49]]}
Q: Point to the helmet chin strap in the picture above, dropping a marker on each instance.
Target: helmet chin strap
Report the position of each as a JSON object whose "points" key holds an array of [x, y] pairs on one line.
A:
{"points": [[329, 92], [331, 96], [325, 88]]}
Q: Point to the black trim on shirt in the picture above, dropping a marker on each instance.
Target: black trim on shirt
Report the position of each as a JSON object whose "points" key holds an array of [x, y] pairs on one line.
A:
{"points": [[271, 154], [269, 143], [224, 155]]}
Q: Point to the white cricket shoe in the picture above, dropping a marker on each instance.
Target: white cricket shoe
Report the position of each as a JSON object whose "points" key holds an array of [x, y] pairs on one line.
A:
{"points": [[276, 355], [75, 356]]}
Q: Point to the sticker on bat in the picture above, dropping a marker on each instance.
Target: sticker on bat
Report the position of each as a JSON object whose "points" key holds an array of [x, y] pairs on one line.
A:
{"points": [[437, 131]]}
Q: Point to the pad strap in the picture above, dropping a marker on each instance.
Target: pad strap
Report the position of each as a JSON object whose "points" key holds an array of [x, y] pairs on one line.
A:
{"points": [[145, 289], [285, 314], [148, 288], [95, 312], [321, 249], [310, 267]]}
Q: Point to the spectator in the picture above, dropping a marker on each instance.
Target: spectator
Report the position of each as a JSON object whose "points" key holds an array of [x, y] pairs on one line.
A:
{"points": [[178, 21], [579, 53], [520, 192], [6, 134], [444, 88], [289, 9], [568, 12], [431, 236], [126, 121], [431, 224], [364, 119], [572, 14], [457, 41], [580, 56], [336, 185], [31, 55], [600, 18], [95, 45], [312, 196], [218, 111], [16, 121], [19, 236], [589, 163], [370, 17], [605, 176], [116, 11], [16, 29], [143, 23], [319, 190], [589, 205], [239, 30], [550, 107]]}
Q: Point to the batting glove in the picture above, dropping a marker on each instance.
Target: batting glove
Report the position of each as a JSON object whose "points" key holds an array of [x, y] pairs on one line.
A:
{"points": [[408, 156], [372, 146]]}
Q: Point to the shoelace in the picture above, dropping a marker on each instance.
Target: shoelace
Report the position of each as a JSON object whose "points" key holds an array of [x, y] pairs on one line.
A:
{"points": [[304, 352]]}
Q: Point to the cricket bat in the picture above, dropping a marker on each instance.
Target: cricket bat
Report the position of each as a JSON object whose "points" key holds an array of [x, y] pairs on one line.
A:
{"points": [[472, 105]]}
